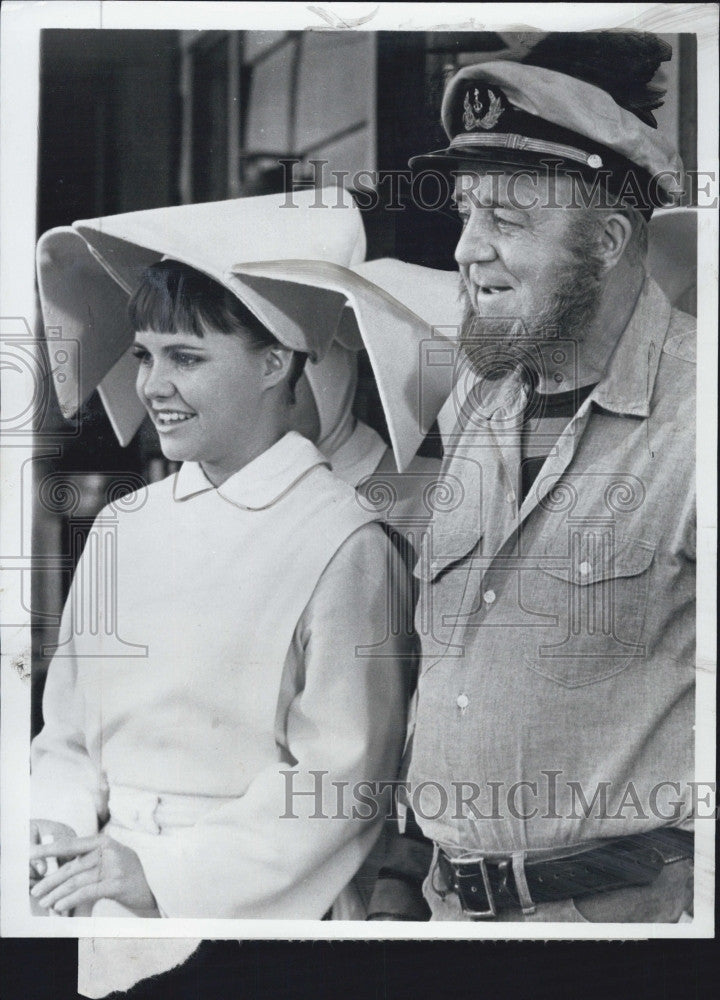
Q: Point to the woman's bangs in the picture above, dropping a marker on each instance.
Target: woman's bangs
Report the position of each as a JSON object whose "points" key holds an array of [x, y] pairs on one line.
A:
{"points": [[163, 302]]}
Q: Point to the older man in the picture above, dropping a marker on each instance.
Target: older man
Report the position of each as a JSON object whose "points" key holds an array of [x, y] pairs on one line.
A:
{"points": [[552, 751]]}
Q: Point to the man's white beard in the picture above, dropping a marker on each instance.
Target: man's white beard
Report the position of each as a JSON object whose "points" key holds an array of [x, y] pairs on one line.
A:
{"points": [[496, 346]]}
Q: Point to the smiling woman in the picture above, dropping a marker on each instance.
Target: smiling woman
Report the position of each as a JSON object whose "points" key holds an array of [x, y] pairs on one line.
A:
{"points": [[197, 343], [250, 589]]}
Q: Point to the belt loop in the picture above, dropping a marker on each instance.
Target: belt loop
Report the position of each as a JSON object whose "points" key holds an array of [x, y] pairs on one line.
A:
{"points": [[154, 815], [434, 871], [402, 814], [518, 867]]}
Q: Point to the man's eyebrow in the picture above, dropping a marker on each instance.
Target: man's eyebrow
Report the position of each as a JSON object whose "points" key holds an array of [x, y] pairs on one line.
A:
{"points": [[508, 204]]}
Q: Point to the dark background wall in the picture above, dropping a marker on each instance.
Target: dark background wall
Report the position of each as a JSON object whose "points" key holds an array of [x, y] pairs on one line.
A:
{"points": [[109, 123]]}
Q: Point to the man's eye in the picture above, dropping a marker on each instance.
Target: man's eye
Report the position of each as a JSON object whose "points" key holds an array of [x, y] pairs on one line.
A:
{"points": [[503, 223], [461, 212]]}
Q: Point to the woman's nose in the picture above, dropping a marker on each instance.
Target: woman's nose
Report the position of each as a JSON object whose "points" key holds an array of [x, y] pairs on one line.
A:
{"points": [[475, 243], [155, 382]]}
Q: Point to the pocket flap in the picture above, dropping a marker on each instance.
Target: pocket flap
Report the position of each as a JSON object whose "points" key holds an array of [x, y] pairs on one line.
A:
{"points": [[428, 570], [596, 555]]}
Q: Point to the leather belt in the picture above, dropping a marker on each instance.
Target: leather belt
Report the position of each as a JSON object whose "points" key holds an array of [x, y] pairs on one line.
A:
{"points": [[486, 886]]}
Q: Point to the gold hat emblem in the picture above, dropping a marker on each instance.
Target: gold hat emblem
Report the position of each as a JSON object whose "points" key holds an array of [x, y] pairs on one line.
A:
{"points": [[473, 117]]}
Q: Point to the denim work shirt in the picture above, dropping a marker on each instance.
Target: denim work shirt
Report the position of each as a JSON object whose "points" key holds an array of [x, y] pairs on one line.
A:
{"points": [[556, 695]]}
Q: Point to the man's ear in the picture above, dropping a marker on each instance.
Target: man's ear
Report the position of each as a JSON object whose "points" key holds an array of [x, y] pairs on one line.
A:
{"points": [[277, 365], [615, 236]]}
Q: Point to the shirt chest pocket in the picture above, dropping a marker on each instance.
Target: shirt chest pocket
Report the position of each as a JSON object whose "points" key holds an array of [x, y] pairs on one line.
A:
{"points": [[597, 591]]}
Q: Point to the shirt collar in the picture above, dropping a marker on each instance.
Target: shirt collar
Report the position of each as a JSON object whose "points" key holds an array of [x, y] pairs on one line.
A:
{"points": [[628, 383], [500, 400], [262, 482]]}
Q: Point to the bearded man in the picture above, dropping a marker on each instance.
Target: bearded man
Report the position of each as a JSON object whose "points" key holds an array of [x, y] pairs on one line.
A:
{"points": [[551, 755]]}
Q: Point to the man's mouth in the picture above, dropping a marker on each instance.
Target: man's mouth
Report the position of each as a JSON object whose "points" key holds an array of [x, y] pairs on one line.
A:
{"points": [[167, 419]]}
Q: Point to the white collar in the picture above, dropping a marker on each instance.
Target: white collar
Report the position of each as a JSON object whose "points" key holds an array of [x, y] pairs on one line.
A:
{"points": [[262, 482], [359, 456]]}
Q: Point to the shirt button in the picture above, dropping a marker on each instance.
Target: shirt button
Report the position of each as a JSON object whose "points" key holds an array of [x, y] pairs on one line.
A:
{"points": [[584, 568], [463, 701], [489, 596], [511, 497]]}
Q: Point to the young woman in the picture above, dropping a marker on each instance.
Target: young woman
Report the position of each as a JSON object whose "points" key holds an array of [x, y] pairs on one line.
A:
{"points": [[199, 774]]}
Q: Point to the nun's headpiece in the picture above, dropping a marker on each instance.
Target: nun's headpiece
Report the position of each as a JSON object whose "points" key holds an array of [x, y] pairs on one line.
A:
{"points": [[87, 271], [297, 265], [406, 316]]}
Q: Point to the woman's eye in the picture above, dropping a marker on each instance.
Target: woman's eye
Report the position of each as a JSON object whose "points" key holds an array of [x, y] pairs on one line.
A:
{"points": [[142, 355], [186, 360]]}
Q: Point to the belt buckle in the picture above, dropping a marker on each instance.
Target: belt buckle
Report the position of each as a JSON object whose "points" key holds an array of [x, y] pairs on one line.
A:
{"points": [[475, 914]]}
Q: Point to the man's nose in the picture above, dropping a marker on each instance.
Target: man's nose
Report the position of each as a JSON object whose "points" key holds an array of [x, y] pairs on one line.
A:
{"points": [[476, 240]]}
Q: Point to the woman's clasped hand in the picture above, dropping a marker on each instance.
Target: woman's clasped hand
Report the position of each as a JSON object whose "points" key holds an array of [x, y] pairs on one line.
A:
{"points": [[89, 869]]}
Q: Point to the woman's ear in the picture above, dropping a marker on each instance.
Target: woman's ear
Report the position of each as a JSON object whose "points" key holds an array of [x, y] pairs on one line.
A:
{"points": [[277, 365], [615, 236]]}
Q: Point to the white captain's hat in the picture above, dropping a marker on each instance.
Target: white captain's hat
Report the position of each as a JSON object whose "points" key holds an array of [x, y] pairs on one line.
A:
{"points": [[580, 103]]}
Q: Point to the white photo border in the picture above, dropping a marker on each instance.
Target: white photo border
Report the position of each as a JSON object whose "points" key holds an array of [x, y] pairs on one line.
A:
{"points": [[19, 87]]}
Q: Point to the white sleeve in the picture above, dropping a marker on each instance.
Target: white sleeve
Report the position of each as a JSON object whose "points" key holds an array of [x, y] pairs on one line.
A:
{"points": [[66, 785], [276, 853]]}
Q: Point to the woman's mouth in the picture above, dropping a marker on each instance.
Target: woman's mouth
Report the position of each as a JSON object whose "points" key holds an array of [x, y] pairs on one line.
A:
{"points": [[169, 419]]}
